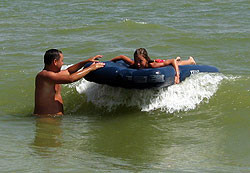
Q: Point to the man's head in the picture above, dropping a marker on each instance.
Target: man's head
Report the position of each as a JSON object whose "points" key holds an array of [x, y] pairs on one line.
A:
{"points": [[50, 55], [53, 57]]}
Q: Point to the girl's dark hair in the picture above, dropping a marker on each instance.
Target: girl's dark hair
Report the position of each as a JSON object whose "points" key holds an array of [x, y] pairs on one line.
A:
{"points": [[144, 53], [50, 55]]}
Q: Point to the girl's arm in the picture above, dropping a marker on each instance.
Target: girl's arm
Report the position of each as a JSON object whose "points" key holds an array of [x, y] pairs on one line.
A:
{"points": [[124, 58], [168, 62]]}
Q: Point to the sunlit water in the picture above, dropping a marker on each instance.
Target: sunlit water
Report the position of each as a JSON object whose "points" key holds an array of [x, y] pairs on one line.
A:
{"points": [[199, 125]]}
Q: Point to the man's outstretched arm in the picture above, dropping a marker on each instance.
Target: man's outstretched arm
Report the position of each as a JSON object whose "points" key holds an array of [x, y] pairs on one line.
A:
{"points": [[74, 68], [64, 77]]}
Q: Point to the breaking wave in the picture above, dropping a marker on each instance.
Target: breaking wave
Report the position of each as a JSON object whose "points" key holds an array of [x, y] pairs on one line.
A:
{"points": [[182, 97]]}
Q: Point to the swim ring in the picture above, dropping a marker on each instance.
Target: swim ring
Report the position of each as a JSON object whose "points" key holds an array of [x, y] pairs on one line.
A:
{"points": [[119, 74]]}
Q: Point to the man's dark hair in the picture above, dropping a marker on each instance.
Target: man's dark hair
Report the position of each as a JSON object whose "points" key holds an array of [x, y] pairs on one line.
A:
{"points": [[50, 55]]}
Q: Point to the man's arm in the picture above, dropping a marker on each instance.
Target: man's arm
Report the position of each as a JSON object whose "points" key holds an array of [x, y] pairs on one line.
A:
{"points": [[64, 77], [168, 62], [126, 59], [74, 68]]}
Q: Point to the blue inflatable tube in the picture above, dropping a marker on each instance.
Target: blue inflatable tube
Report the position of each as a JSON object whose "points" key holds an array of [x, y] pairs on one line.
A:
{"points": [[119, 74]]}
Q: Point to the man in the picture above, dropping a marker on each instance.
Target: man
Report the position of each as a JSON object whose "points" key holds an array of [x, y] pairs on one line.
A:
{"points": [[48, 99]]}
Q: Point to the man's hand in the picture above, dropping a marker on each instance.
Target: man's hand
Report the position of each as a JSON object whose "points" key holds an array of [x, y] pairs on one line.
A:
{"points": [[95, 58], [96, 65]]}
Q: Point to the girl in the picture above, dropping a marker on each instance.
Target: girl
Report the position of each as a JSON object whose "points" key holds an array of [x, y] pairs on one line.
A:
{"points": [[142, 60]]}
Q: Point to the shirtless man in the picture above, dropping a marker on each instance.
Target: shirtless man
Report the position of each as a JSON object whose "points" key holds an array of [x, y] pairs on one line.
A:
{"points": [[48, 99]]}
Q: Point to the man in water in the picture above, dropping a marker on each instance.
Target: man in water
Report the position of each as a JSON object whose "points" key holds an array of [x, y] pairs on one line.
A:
{"points": [[48, 99]]}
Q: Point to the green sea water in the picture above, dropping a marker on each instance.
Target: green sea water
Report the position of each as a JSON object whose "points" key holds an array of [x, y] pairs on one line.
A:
{"points": [[200, 125]]}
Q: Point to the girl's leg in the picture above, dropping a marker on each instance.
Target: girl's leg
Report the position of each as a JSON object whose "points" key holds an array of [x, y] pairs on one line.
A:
{"points": [[190, 61]]}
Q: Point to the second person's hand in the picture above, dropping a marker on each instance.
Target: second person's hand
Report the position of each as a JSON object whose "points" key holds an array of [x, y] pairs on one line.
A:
{"points": [[95, 58]]}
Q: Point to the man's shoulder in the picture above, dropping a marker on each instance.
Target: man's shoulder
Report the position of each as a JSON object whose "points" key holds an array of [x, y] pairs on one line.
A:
{"points": [[44, 74], [47, 72]]}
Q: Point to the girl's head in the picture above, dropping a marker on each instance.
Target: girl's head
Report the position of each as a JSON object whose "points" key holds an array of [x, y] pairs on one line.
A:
{"points": [[141, 58]]}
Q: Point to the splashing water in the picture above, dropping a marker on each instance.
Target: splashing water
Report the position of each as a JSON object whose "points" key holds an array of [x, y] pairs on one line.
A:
{"points": [[182, 97]]}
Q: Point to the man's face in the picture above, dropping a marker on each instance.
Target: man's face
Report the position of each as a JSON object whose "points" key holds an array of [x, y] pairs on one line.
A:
{"points": [[59, 63]]}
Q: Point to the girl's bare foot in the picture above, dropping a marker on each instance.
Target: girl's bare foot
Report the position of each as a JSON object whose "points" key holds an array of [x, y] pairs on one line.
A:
{"points": [[178, 58], [191, 59]]}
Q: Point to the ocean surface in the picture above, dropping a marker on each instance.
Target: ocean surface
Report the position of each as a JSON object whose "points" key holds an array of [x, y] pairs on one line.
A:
{"points": [[199, 125]]}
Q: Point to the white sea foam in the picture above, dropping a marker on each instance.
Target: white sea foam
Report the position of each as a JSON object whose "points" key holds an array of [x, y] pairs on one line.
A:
{"points": [[128, 20], [182, 97]]}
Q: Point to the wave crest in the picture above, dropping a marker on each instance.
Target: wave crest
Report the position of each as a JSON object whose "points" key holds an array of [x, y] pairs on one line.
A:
{"points": [[182, 97]]}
